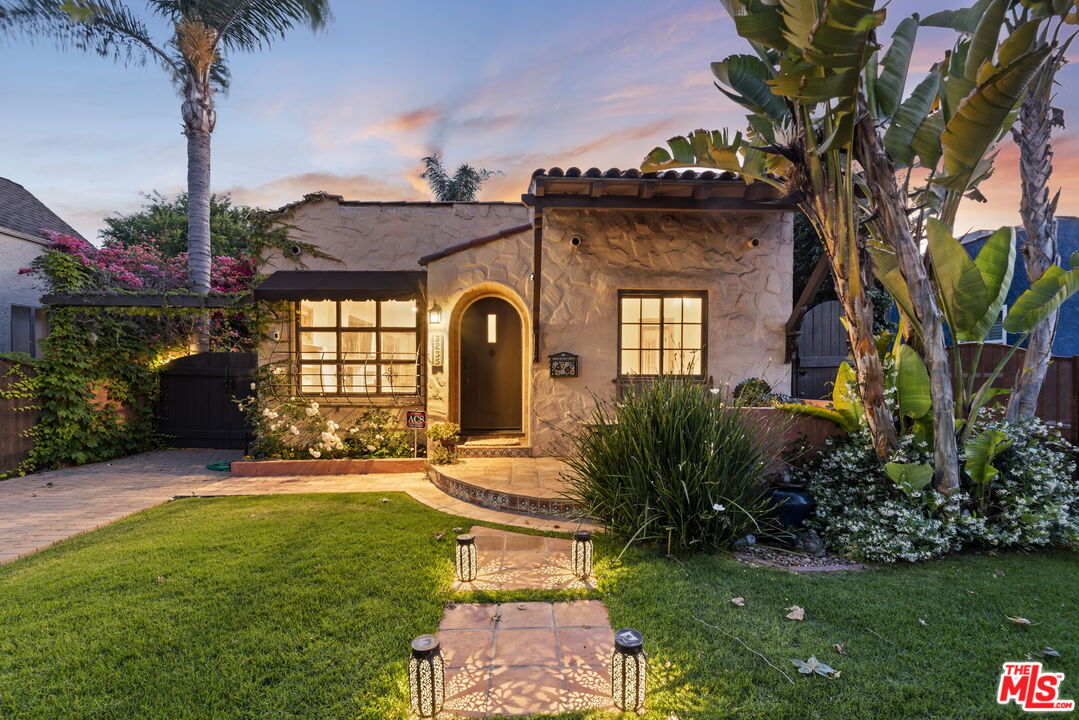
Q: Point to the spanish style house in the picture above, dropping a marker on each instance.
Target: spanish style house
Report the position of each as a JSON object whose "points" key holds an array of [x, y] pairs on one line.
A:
{"points": [[514, 319]]}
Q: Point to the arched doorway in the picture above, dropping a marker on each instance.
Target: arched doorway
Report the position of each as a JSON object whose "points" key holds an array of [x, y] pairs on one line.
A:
{"points": [[491, 367]]}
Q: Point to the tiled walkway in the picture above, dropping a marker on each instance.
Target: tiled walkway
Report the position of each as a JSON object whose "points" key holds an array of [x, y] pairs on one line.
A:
{"points": [[526, 657], [41, 509], [512, 561], [537, 477]]}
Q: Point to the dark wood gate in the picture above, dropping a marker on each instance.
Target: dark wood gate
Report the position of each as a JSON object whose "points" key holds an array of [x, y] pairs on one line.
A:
{"points": [[822, 346], [197, 406]]}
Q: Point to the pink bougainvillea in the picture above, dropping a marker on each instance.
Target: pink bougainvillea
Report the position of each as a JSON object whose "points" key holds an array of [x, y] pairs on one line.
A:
{"points": [[144, 267]]}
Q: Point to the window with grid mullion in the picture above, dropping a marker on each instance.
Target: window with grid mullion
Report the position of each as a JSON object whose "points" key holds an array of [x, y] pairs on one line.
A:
{"points": [[364, 354]]}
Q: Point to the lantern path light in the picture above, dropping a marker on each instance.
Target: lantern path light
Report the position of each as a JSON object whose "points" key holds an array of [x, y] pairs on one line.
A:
{"points": [[629, 667], [581, 554], [426, 676], [467, 560]]}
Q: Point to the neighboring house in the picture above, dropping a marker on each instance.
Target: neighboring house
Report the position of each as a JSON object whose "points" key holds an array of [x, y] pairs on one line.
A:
{"points": [[1066, 343], [512, 319], [22, 219]]}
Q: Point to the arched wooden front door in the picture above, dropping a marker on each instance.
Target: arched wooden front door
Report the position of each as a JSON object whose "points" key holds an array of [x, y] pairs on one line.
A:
{"points": [[491, 367]]}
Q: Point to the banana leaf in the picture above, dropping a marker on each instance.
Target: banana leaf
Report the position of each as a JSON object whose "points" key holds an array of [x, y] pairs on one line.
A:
{"points": [[1044, 296], [892, 82], [964, 20], [826, 413], [845, 394], [910, 477], [804, 88], [996, 264], [980, 453], [958, 280], [909, 116], [746, 77], [981, 116], [886, 269], [912, 383]]}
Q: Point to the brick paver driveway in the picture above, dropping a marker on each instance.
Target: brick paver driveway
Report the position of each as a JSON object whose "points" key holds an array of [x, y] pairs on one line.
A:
{"points": [[41, 509]]}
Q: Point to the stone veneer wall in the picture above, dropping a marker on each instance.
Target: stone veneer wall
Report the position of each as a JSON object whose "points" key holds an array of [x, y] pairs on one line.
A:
{"points": [[749, 299]]}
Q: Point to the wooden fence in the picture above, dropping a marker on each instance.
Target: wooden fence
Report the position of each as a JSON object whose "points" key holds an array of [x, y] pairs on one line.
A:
{"points": [[14, 446], [1058, 403]]}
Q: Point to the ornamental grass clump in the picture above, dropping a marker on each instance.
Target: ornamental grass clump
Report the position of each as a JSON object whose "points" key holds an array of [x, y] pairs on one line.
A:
{"points": [[671, 463]]}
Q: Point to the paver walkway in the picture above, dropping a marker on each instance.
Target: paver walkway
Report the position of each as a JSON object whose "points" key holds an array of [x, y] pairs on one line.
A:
{"points": [[41, 509], [526, 657], [512, 561]]}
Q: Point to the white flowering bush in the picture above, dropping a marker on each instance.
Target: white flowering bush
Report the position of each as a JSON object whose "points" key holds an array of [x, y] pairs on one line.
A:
{"points": [[1034, 499], [296, 429], [1032, 502]]}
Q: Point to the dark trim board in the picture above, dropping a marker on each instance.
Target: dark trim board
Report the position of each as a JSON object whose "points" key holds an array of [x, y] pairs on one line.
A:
{"points": [[654, 203]]}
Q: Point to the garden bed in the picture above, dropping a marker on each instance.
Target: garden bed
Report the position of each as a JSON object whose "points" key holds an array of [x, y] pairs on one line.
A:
{"points": [[346, 466]]}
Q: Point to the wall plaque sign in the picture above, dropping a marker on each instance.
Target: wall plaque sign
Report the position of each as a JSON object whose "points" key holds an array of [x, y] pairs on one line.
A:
{"points": [[564, 365], [416, 419]]}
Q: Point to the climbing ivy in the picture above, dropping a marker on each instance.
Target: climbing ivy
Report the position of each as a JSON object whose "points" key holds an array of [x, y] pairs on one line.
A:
{"points": [[97, 383]]}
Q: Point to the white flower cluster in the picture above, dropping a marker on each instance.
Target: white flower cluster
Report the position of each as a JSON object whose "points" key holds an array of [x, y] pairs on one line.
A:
{"points": [[1033, 501]]}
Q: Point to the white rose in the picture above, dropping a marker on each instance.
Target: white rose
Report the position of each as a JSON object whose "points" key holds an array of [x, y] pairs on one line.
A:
{"points": [[294, 430], [312, 411], [252, 386], [315, 453]]}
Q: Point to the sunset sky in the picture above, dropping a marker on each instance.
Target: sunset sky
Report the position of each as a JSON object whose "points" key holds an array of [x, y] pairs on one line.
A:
{"points": [[508, 86]]}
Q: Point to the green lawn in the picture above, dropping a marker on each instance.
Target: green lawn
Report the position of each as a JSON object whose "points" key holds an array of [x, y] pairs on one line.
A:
{"points": [[302, 607]]}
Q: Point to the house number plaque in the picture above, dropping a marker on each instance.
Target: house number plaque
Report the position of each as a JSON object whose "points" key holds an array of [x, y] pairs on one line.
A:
{"points": [[437, 345], [564, 365]]}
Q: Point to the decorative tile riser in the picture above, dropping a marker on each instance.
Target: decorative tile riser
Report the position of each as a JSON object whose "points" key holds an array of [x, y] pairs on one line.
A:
{"points": [[494, 452], [498, 500]]}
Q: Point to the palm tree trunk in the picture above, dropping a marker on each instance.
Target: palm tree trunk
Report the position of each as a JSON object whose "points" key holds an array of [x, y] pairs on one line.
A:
{"points": [[1040, 247], [890, 202], [198, 114]]}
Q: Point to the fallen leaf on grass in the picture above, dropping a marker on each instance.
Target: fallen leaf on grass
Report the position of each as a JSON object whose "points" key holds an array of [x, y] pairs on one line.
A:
{"points": [[385, 500], [921, 621], [796, 613], [739, 601], [457, 529], [159, 579], [813, 666], [840, 648], [1046, 652], [1021, 621], [439, 535]]}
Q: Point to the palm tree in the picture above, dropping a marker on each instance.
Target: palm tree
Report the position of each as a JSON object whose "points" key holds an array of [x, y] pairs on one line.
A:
{"points": [[1038, 211], [202, 31], [463, 186]]}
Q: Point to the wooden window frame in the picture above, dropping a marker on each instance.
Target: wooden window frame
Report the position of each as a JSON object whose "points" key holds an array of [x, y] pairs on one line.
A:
{"points": [[377, 329], [702, 294]]}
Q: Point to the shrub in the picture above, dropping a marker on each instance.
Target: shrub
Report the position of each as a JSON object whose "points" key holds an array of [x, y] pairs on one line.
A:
{"points": [[670, 462], [295, 429], [1032, 502], [753, 392], [862, 514], [445, 436]]}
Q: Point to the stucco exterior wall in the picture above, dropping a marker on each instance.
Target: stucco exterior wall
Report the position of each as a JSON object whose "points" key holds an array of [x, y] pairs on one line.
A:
{"points": [[377, 236], [748, 285], [16, 252], [388, 236]]}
